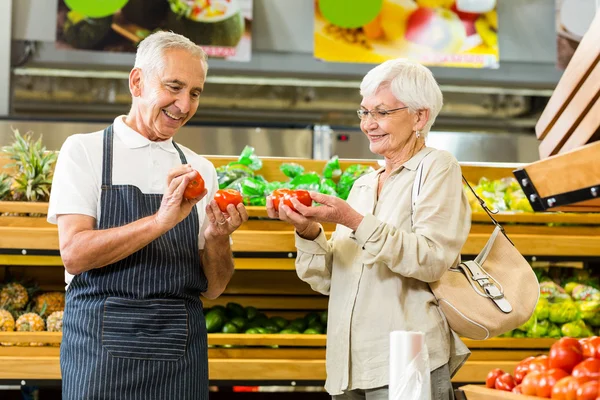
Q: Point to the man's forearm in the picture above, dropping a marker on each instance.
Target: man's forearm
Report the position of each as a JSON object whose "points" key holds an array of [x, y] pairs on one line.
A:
{"points": [[92, 249], [217, 263]]}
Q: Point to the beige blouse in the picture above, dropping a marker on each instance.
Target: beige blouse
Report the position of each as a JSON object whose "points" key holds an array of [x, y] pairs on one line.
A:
{"points": [[376, 277]]}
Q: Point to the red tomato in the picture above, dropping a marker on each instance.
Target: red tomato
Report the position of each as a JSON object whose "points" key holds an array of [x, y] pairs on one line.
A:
{"points": [[588, 391], [589, 367], [531, 382], [195, 187], [595, 343], [565, 354], [522, 369], [224, 197], [285, 195], [540, 363], [548, 380], [517, 389], [587, 349], [490, 381], [505, 382], [566, 388]]}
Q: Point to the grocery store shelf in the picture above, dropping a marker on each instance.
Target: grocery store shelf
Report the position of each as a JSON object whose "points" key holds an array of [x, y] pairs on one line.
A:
{"points": [[475, 392]]}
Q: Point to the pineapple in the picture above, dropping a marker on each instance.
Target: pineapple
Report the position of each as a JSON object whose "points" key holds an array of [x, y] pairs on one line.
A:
{"points": [[5, 184], [30, 322], [34, 168], [54, 321], [7, 324], [14, 296], [53, 301]]}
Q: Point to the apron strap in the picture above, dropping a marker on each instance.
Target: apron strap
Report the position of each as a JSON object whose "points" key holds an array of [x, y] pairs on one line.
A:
{"points": [[107, 157], [181, 155]]}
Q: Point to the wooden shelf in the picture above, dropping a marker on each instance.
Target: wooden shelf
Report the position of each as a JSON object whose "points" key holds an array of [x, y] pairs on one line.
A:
{"points": [[474, 392]]}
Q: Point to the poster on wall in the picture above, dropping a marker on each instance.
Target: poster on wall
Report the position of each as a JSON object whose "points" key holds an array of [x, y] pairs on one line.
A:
{"points": [[573, 19], [445, 33], [223, 28]]}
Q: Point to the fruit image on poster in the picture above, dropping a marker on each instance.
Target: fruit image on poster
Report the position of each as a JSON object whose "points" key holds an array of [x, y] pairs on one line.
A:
{"points": [[446, 33], [223, 28]]}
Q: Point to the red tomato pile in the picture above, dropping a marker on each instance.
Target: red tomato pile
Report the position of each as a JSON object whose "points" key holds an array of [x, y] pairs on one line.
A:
{"points": [[571, 371]]}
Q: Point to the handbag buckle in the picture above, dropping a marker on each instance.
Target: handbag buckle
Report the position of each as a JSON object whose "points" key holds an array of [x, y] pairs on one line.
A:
{"points": [[491, 290]]}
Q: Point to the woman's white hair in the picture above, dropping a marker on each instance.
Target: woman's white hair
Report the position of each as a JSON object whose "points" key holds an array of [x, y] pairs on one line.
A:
{"points": [[410, 82], [149, 56]]}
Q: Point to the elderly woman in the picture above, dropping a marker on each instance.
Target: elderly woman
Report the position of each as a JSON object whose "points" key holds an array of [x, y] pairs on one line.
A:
{"points": [[377, 265]]}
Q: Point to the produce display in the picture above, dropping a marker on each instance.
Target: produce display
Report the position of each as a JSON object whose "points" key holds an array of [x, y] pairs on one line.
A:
{"points": [[242, 176], [572, 310], [235, 318], [571, 371], [500, 195], [25, 309]]}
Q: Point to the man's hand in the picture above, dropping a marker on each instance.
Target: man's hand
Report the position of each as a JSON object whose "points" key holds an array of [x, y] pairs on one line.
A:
{"points": [[174, 207], [224, 224]]}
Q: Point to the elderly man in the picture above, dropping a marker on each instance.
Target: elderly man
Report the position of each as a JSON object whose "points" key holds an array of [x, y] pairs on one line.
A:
{"points": [[138, 254]]}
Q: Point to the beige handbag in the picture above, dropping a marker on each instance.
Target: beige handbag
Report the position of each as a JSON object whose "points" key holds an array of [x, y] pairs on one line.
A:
{"points": [[493, 294]]}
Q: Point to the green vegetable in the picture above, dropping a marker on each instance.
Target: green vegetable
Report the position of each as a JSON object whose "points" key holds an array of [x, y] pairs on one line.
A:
{"points": [[349, 176], [561, 313], [230, 328], [538, 330], [572, 329], [280, 322], [289, 332], [307, 181], [248, 157], [542, 309], [214, 321], [299, 324], [527, 326], [227, 174], [518, 334], [252, 331], [311, 331], [291, 170], [240, 322], [235, 310], [323, 317], [594, 320], [251, 313], [588, 309], [553, 331], [332, 168], [328, 187]]}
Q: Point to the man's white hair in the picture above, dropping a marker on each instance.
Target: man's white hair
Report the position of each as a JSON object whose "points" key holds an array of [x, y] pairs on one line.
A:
{"points": [[150, 52], [410, 82]]}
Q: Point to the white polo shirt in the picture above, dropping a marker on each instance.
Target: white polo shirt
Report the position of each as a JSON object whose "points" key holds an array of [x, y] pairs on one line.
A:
{"points": [[137, 161]]}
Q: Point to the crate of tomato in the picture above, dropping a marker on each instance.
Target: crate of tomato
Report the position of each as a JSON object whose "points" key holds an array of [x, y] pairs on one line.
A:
{"points": [[571, 371]]}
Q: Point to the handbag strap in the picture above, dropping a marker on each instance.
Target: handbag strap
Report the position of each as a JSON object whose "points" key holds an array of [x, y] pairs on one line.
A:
{"points": [[417, 188]]}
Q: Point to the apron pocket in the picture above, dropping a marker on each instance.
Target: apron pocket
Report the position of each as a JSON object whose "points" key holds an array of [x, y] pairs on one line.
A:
{"points": [[154, 329]]}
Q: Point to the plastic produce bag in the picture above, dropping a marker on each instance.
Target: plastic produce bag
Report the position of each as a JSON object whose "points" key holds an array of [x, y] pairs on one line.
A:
{"points": [[538, 330], [349, 176], [542, 309], [308, 181], [252, 190], [588, 309], [561, 313], [248, 157], [585, 293], [332, 169], [226, 174], [291, 170], [554, 331], [328, 187]]}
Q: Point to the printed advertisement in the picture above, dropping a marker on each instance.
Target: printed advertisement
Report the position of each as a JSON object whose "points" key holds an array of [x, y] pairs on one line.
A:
{"points": [[446, 33], [222, 27]]}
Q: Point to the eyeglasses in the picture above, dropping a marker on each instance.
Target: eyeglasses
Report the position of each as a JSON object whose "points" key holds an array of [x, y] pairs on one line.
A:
{"points": [[377, 114]]}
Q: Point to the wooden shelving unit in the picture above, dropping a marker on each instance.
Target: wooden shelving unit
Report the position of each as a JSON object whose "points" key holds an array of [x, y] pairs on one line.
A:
{"points": [[266, 279]]}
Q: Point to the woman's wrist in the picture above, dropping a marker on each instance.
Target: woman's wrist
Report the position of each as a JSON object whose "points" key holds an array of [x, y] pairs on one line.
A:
{"points": [[311, 232]]}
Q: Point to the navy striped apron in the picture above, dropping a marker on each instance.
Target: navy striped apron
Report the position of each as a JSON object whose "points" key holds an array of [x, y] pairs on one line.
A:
{"points": [[135, 329]]}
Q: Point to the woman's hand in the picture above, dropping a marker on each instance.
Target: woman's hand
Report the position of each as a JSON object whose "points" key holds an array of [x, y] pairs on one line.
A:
{"points": [[306, 228], [331, 209]]}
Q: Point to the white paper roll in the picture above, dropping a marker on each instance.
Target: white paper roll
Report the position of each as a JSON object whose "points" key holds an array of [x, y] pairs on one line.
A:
{"points": [[409, 367]]}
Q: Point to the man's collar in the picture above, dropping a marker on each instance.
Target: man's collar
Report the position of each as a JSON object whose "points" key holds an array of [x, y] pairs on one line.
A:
{"points": [[134, 140]]}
